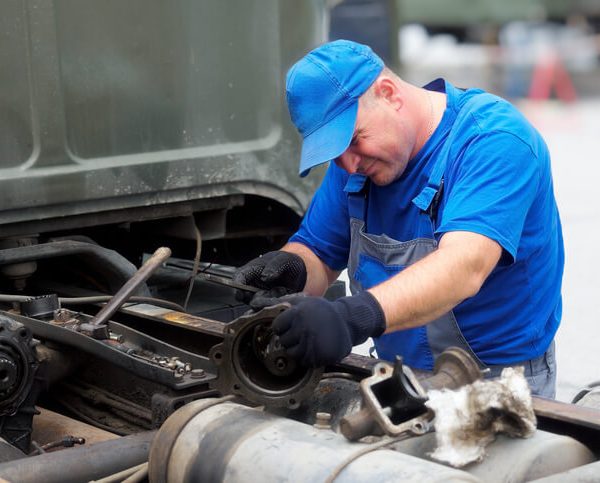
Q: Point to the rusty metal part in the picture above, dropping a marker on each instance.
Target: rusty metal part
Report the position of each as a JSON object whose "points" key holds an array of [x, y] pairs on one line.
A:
{"points": [[247, 368], [49, 426], [393, 403], [177, 319], [394, 399], [579, 422], [149, 266], [454, 368]]}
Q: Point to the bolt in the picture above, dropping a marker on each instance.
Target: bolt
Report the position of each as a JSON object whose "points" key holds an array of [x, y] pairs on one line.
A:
{"points": [[323, 421], [280, 363], [198, 374], [178, 375], [116, 337]]}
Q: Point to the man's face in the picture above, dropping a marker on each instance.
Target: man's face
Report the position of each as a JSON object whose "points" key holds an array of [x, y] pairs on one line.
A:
{"points": [[381, 145]]}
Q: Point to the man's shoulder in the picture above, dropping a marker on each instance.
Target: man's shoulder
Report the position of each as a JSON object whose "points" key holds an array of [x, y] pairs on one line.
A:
{"points": [[482, 114]]}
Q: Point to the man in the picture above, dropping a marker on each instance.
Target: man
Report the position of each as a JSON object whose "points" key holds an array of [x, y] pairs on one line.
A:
{"points": [[439, 201]]}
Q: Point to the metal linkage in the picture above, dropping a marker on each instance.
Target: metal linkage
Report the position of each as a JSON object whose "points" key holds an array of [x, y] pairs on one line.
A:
{"points": [[147, 269]]}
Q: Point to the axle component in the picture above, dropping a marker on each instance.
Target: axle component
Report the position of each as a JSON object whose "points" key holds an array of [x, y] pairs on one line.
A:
{"points": [[253, 364]]}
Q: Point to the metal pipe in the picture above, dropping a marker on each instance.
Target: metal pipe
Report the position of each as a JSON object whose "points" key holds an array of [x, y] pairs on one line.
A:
{"points": [[138, 278], [86, 463]]}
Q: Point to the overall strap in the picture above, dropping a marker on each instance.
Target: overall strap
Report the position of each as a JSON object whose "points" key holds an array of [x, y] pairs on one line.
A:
{"points": [[357, 189], [429, 198]]}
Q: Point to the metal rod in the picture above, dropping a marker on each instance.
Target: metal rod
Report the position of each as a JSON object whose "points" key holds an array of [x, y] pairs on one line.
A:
{"points": [[139, 277]]}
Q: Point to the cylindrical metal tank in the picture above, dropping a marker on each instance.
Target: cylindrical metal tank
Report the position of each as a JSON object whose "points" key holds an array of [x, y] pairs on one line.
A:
{"points": [[514, 459], [210, 440]]}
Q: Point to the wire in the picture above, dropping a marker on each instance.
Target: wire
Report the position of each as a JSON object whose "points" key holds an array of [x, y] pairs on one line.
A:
{"points": [[96, 299], [386, 441], [196, 264]]}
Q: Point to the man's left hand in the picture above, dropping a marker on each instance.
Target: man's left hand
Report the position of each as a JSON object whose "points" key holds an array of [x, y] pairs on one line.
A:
{"points": [[317, 332]]}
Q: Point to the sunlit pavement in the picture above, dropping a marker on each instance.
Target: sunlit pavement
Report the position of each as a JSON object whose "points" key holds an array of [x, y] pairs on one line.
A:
{"points": [[572, 132]]}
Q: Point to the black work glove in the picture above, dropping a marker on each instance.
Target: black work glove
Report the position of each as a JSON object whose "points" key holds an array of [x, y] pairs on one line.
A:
{"points": [[317, 332], [278, 273]]}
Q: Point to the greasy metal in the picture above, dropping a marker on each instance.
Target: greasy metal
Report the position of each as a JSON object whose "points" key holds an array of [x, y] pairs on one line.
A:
{"points": [[50, 426], [179, 319], [227, 282], [376, 414], [453, 368], [125, 355], [95, 124], [579, 422], [160, 453], [83, 463], [566, 413], [148, 268], [393, 397], [245, 368], [18, 365], [242, 442]]}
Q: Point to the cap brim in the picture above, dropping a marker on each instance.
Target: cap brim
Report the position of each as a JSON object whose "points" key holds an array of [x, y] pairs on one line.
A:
{"points": [[329, 141]]}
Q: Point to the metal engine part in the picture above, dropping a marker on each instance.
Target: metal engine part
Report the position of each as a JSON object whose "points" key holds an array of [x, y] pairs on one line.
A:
{"points": [[394, 399], [252, 363], [17, 364], [242, 441], [18, 367]]}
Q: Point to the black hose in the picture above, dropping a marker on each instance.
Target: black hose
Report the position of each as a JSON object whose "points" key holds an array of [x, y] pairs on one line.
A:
{"points": [[116, 268], [83, 463]]}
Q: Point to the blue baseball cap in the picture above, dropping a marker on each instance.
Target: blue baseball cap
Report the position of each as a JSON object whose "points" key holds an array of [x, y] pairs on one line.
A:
{"points": [[322, 92]]}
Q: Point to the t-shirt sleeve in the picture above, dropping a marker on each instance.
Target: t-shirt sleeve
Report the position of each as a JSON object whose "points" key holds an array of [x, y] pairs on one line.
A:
{"points": [[325, 228], [490, 186]]}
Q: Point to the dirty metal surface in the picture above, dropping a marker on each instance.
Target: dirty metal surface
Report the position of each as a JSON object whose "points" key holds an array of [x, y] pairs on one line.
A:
{"points": [[567, 413], [179, 319]]}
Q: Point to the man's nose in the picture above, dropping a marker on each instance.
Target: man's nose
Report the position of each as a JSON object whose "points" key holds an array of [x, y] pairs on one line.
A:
{"points": [[349, 161]]}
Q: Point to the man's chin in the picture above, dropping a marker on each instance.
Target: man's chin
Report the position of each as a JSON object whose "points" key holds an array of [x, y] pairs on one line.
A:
{"points": [[381, 179]]}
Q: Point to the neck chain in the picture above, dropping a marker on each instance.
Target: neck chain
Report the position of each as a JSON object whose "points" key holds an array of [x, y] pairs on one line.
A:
{"points": [[430, 123]]}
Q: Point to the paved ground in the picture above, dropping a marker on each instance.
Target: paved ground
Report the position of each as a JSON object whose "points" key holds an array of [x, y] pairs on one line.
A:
{"points": [[573, 135]]}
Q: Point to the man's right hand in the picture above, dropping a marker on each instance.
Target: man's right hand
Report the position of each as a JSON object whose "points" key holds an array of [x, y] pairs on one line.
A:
{"points": [[277, 272]]}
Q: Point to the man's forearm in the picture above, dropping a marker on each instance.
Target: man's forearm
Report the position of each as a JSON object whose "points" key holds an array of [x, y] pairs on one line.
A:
{"points": [[437, 283], [319, 275]]}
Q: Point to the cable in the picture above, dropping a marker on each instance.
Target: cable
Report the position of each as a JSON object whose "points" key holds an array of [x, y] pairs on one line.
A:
{"points": [[122, 475], [196, 264], [96, 299], [134, 299], [386, 441]]}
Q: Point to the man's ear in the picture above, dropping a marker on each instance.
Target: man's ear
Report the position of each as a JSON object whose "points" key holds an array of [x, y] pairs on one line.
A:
{"points": [[387, 90]]}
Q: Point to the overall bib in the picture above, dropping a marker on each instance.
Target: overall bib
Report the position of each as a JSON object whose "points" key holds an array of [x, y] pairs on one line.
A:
{"points": [[375, 258]]}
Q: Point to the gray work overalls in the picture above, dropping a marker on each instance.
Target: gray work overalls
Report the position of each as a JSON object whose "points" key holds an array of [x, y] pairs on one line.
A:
{"points": [[375, 258]]}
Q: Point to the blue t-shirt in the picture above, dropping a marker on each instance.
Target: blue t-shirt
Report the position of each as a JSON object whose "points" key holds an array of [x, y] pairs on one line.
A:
{"points": [[497, 183]]}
